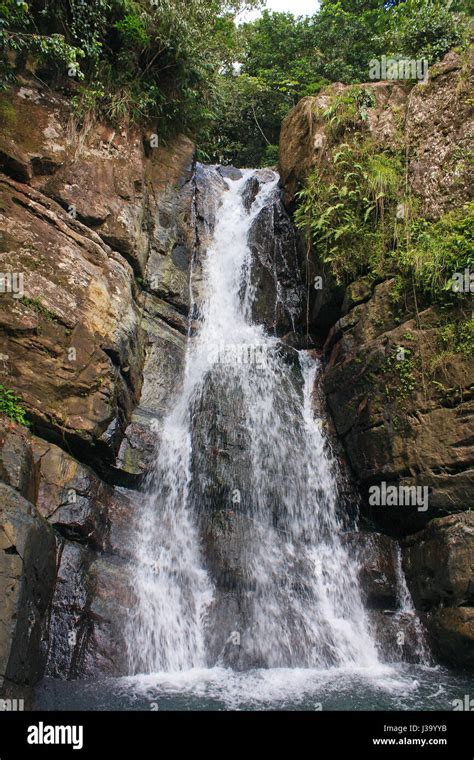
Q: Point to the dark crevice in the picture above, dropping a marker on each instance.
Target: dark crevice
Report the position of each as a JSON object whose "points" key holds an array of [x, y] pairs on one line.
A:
{"points": [[12, 550], [93, 454]]}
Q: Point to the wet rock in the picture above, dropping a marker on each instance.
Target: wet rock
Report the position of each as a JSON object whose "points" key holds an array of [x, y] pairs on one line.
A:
{"points": [[276, 279], [209, 186], [439, 562], [398, 635], [299, 342], [165, 331], [451, 631], [71, 496], [91, 601], [27, 570], [288, 354], [377, 570], [230, 172], [250, 191]]}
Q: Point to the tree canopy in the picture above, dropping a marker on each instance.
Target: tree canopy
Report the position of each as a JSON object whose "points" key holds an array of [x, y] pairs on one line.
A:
{"points": [[187, 64]]}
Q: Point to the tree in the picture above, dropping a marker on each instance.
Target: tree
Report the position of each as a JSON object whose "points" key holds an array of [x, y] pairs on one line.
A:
{"points": [[146, 60]]}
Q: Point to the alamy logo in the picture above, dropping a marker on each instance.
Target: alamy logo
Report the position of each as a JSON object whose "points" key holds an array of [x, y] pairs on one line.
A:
{"points": [[235, 354], [398, 68], [42, 734], [12, 282], [463, 282], [463, 704], [385, 495], [12, 705]]}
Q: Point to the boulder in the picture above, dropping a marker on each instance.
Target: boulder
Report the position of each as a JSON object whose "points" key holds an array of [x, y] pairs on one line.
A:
{"points": [[376, 556], [27, 572], [452, 635], [439, 562], [91, 601]]}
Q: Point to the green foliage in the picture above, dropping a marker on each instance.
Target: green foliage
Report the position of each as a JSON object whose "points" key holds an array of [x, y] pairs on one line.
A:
{"points": [[399, 370], [458, 337], [348, 209], [278, 64], [20, 38], [351, 33], [10, 406], [270, 156], [425, 29], [154, 61], [348, 109], [185, 64], [354, 210], [436, 250]]}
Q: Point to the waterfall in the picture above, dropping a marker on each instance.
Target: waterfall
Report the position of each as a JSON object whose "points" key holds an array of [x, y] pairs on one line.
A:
{"points": [[239, 558], [407, 617]]}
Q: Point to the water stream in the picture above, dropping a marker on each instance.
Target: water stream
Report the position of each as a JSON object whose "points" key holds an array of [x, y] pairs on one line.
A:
{"points": [[299, 603], [247, 594]]}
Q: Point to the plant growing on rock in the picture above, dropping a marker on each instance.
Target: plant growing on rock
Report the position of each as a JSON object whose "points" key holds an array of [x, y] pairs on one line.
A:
{"points": [[348, 209], [10, 406]]}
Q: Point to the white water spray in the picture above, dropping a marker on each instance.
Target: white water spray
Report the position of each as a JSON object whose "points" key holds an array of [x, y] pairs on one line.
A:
{"points": [[299, 599]]}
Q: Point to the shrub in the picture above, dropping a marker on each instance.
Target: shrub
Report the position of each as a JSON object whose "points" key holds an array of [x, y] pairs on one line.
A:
{"points": [[10, 406]]}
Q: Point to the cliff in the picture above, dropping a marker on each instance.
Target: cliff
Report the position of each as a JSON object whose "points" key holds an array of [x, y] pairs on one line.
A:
{"points": [[98, 229], [398, 385], [95, 227]]}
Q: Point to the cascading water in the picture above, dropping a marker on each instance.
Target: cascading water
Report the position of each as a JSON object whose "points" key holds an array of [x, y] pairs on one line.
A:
{"points": [[245, 584], [242, 457]]}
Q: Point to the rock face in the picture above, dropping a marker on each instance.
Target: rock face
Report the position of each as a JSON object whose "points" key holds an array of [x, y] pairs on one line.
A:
{"points": [[439, 566], [278, 288], [27, 571], [99, 209], [303, 140], [404, 414], [97, 232]]}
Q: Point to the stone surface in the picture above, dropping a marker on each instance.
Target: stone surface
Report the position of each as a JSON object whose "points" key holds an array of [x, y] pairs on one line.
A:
{"points": [[276, 279], [72, 340], [33, 135], [93, 209], [303, 140], [27, 571], [91, 603], [377, 574], [392, 413], [164, 330], [452, 635], [398, 636], [440, 115], [439, 566], [101, 226], [439, 562]]}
